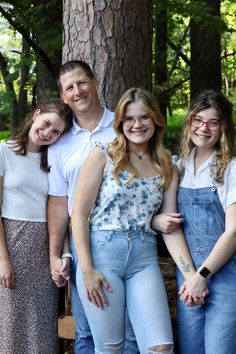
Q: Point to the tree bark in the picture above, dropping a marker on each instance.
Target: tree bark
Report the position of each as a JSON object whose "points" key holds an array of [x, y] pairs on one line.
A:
{"points": [[161, 60], [114, 37], [205, 47]]}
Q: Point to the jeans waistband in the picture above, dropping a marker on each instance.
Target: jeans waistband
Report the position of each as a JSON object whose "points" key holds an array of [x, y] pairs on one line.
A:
{"points": [[125, 233]]}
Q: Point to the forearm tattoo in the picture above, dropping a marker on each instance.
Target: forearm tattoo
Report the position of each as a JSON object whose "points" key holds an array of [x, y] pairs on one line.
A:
{"points": [[184, 266]]}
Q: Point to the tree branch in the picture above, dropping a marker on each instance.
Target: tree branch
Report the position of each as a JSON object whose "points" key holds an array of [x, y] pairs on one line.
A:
{"points": [[194, 74], [39, 51], [178, 51]]}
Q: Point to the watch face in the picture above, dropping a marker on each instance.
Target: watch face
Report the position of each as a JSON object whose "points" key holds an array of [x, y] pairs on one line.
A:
{"points": [[204, 272]]}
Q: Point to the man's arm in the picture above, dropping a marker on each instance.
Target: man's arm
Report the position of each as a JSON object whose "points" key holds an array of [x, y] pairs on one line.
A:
{"points": [[57, 216]]}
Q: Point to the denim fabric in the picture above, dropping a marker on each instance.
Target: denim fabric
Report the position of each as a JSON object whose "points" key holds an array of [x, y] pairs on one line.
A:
{"points": [[129, 262], [210, 328], [83, 338]]}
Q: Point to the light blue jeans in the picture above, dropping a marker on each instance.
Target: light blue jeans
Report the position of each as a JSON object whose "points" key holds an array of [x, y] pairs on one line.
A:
{"points": [[83, 338], [129, 263], [210, 328]]}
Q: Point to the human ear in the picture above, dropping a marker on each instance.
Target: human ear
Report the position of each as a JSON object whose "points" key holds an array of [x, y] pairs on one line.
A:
{"points": [[63, 97], [95, 82], [36, 114]]}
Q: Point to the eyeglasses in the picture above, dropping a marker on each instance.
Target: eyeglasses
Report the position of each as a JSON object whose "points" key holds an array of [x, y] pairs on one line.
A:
{"points": [[129, 121], [212, 124]]}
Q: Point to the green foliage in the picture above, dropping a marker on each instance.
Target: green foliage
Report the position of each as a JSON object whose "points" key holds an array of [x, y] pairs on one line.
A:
{"points": [[173, 131], [43, 22], [228, 41], [40, 23], [5, 108], [202, 15], [4, 135], [179, 13], [44, 19]]}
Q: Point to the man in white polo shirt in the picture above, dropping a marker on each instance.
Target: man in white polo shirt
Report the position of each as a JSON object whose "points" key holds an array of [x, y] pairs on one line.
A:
{"points": [[92, 122]]}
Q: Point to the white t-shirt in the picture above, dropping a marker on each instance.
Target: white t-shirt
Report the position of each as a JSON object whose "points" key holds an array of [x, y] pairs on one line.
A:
{"points": [[25, 186], [68, 154], [202, 179]]}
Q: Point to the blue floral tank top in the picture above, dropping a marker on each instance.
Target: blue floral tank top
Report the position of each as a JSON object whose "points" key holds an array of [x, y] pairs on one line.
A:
{"points": [[126, 206]]}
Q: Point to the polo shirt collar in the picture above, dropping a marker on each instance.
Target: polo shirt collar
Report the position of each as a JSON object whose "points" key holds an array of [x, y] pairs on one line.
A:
{"points": [[105, 121]]}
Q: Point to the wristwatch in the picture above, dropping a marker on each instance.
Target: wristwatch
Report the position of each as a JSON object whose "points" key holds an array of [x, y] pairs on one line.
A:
{"points": [[205, 272]]}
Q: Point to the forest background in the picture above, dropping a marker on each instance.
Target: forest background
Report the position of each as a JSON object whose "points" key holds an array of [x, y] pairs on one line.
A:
{"points": [[175, 48]]}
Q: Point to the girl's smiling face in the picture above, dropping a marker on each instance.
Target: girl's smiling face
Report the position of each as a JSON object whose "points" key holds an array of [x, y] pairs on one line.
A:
{"points": [[205, 129], [45, 130], [138, 125]]}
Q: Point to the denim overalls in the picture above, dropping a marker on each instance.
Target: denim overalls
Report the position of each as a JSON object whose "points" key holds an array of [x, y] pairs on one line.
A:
{"points": [[210, 328]]}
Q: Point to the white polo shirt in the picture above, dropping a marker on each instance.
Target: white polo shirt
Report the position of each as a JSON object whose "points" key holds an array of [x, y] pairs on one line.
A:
{"points": [[68, 154], [202, 178]]}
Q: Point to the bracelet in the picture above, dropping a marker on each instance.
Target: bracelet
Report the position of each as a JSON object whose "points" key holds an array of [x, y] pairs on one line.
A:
{"points": [[67, 255]]}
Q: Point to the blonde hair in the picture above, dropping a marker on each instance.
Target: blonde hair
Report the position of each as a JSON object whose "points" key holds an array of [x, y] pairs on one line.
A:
{"points": [[225, 147], [118, 149]]}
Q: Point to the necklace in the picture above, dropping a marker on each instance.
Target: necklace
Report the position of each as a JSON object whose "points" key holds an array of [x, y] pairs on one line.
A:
{"points": [[139, 155]]}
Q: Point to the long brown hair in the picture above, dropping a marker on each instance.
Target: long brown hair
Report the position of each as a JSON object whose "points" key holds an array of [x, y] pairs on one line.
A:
{"points": [[226, 145], [20, 137], [118, 149]]}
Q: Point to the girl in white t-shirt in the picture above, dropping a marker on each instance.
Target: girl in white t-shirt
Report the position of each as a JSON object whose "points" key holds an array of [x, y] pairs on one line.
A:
{"points": [[28, 296], [207, 203]]}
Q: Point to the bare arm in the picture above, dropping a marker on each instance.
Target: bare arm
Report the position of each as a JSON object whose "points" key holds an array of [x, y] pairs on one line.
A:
{"points": [[57, 218], [223, 250], [178, 249], [7, 278], [175, 240], [89, 181]]}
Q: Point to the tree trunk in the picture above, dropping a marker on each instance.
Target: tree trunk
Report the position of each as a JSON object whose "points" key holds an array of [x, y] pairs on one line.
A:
{"points": [[161, 60], [46, 85], [205, 49], [11, 91], [114, 37], [24, 77]]}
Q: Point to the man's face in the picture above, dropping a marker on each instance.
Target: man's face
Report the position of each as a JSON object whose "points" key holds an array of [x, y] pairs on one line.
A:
{"points": [[78, 90]]}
